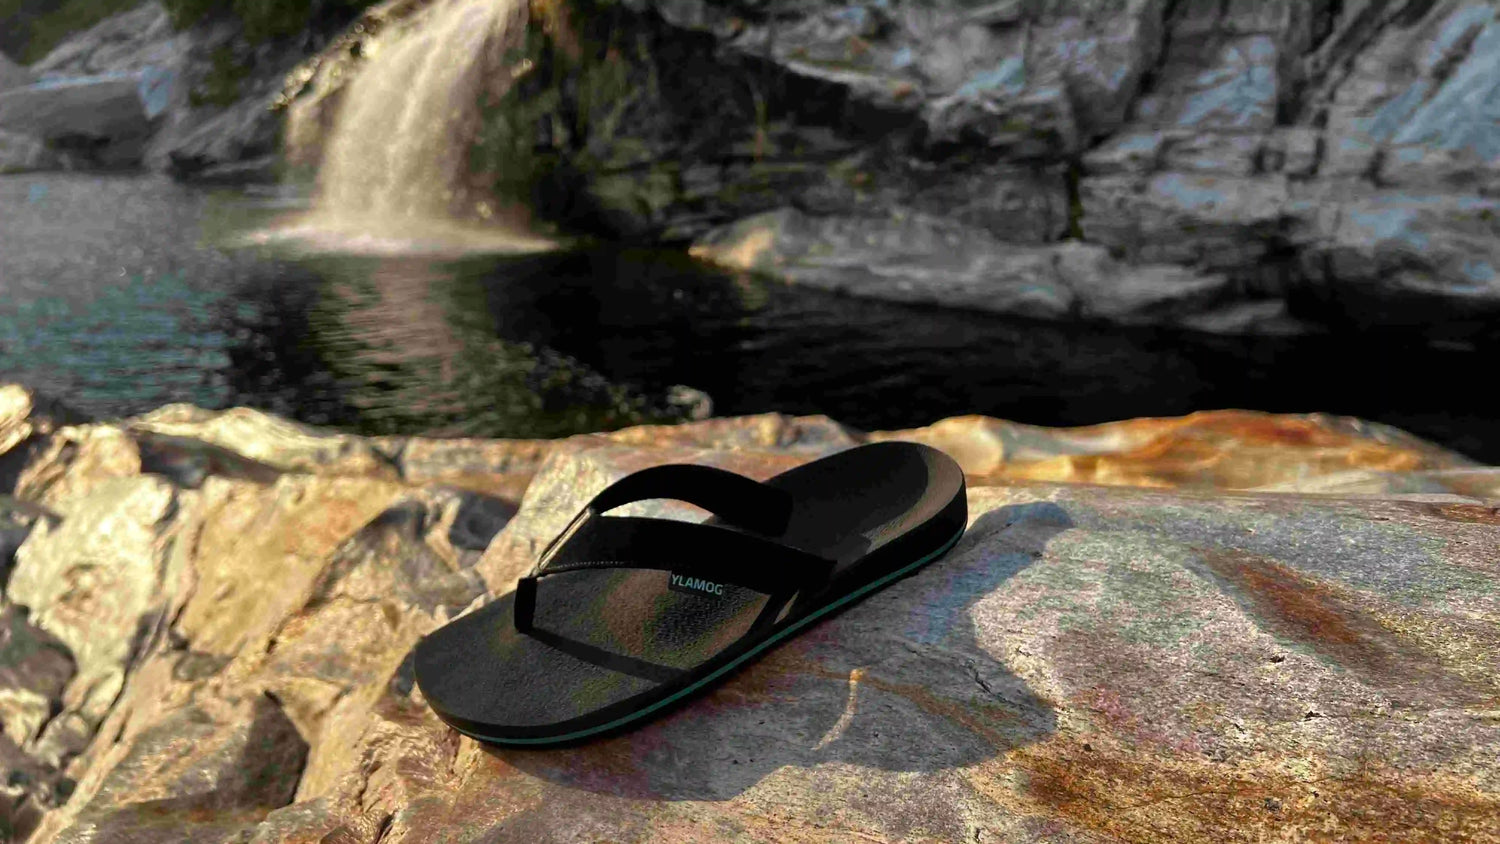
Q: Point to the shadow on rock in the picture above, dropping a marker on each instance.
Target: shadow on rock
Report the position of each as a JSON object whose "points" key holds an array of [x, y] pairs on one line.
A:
{"points": [[903, 682]]}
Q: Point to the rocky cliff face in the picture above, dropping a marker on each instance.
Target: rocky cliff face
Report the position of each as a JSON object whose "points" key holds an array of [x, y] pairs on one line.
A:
{"points": [[1272, 166], [1224, 166], [134, 91], [1278, 166], [207, 619]]}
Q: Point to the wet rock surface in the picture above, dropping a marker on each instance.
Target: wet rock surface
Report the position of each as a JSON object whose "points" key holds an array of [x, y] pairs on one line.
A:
{"points": [[1092, 663]]}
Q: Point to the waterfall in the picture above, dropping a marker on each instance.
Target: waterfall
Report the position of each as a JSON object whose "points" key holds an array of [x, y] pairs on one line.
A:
{"points": [[394, 166]]}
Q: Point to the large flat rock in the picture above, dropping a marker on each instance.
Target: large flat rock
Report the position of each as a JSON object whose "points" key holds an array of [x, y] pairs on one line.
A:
{"points": [[221, 608], [926, 260], [1088, 665], [80, 112]]}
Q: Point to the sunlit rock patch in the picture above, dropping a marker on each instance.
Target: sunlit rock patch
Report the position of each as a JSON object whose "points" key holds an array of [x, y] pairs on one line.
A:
{"points": [[209, 616]]}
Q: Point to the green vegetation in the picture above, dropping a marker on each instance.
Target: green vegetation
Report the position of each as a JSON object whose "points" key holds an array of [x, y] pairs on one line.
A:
{"points": [[264, 20], [221, 85], [576, 98], [29, 29], [577, 135]]}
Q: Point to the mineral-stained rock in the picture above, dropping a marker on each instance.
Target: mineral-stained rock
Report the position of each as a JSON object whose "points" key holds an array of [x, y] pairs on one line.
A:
{"points": [[1092, 663], [26, 421], [1220, 450], [1088, 665], [27, 790], [100, 582], [34, 669], [284, 445], [204, 773]]}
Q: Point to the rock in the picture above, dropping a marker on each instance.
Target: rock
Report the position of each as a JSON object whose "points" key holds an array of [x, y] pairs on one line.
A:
{"points": [[221, 144], [1421, 84], [205, 773], [17, 518], [101, 582], [1018, 687], [1197, 220], [1225, 155], [130, 41], [98, 116], [13, 75], [28, 789], [1089, 654], [928, 261], [25, 154], [206, 92], [34, 671], [918, 260], [277, 443], [1411, 259], [1224, 450], [255, 171], [27, 422]]}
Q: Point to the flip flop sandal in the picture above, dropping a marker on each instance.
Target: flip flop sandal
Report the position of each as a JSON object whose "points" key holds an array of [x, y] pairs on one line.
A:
{"points": [[623, 617]]}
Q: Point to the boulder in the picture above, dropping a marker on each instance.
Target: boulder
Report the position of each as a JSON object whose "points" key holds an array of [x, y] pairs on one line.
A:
{"points": [[926, 260], [205, 93], [28, 789], [100, 581], [203, 773], [207, 146], [34, 671], [26, 154], [1155, 653], [95, 116], [27, 422], [1089, 664], [13, 75]]}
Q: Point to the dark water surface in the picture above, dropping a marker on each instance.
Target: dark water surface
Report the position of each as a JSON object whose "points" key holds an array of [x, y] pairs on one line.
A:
{"points": [[111, 299]]}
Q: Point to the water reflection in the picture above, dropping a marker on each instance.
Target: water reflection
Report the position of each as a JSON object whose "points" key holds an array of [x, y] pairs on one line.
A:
{"points": [[392, 345], [109, 301]]}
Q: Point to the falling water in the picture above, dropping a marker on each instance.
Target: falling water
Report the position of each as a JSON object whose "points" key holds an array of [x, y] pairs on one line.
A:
{"points": [[395, 162]]}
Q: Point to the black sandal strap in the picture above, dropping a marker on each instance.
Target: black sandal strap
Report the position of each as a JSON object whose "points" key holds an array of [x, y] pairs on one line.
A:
{"points": [[735, 499], [719, 555]]}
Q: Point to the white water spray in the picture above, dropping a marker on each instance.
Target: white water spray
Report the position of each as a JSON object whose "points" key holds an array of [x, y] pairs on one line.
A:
{"points": [[394, 172]]}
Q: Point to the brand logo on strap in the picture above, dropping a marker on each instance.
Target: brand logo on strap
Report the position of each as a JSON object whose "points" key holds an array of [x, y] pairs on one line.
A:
{"points": [[694, 585]]}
